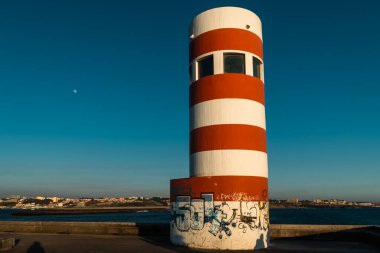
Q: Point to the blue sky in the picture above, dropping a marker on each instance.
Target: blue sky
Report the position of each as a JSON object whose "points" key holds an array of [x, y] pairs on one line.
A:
{"points": [[125, 132]]}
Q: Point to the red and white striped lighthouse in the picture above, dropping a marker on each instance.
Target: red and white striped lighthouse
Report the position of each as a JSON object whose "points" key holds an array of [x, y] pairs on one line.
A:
{"points": [[224, 203]]}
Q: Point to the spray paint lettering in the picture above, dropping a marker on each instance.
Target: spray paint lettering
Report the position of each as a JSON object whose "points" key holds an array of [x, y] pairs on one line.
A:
{"points": [[219, 219]]}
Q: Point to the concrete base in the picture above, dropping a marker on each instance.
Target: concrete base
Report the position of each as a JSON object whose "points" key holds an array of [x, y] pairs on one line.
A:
{"points": [[7, 243], [220, 213], [228, 225]]}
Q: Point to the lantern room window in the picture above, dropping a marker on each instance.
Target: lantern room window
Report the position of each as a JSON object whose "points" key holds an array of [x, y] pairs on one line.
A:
{"points": [[234, 63], [206, 66], [256, 67]]}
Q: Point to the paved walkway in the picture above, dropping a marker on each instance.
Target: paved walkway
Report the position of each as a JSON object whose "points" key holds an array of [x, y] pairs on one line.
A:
{"points": [[61, 243]]}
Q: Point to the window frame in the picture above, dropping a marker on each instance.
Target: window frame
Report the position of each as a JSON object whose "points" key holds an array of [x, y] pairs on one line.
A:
{"points": [[198, 64], [234, 54], [257, 62]]}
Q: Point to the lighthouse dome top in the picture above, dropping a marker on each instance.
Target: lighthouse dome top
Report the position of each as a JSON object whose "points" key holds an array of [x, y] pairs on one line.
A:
{"points": [[225, 17]]}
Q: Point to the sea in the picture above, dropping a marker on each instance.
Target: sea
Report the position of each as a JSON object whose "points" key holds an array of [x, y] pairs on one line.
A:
{"points": [[332, 216]]}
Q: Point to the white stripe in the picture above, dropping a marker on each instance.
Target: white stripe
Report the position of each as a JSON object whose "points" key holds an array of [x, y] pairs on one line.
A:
{"points": [[227, 111], [226, 17], [229, 162]]}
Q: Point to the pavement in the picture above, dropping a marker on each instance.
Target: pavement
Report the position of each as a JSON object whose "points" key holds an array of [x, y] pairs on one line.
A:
{"points": [[64, 243]]}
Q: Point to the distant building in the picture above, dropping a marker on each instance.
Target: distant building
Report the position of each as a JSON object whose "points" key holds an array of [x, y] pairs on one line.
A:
{"points": [[54, 199], [293, 200], [81, 204], [14, 197], [365, 204]]}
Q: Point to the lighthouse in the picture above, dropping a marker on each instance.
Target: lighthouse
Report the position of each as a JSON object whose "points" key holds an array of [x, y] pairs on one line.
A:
{"points": [[224, 202]]}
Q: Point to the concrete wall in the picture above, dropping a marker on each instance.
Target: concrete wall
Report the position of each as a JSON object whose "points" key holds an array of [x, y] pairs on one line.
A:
{"points": [[7, 243], [288, 230], [161, 229], [99, 228]]}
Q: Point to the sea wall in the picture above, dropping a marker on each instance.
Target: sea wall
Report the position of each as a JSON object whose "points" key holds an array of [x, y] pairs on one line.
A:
{"points": [[161, 229], [290, 230], [95, 228]]}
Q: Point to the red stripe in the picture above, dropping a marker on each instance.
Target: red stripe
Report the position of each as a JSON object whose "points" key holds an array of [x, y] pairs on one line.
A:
{"points": [[227, 86], [224, 188], [227, 136], [226, 39]]}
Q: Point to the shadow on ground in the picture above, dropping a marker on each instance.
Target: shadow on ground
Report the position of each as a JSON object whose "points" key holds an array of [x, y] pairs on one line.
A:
{"points": [[36, 247]]}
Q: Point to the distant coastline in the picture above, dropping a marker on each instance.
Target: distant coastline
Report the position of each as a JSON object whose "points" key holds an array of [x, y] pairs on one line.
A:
{"points": [[85, 210], [287, 205], [278, 215], [132, 209], [41, 205]]}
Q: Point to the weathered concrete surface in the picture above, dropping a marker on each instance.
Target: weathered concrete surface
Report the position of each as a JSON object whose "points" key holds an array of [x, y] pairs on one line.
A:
{"points": [[366, 234], [7, 243], [97, 228], [217, 224], [131, 228], [285, 230], [53, 243]]}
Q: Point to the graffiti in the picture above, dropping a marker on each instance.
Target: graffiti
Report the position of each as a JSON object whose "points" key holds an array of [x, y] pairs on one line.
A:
{"points": [[182, 213], [219, 219], [219, 223], [253, 215], [238, 196]]}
